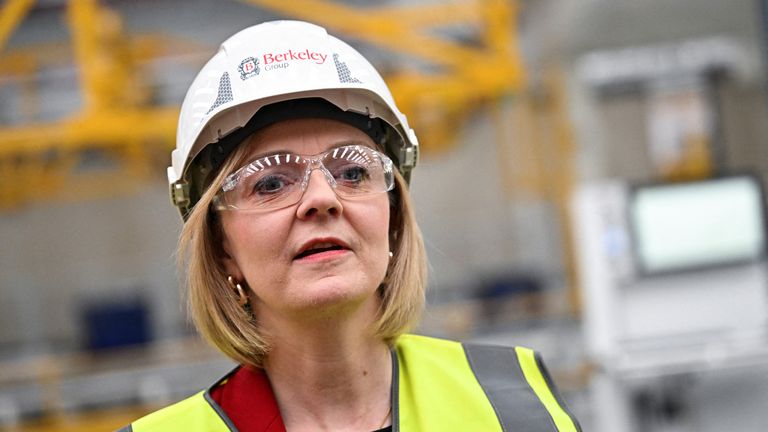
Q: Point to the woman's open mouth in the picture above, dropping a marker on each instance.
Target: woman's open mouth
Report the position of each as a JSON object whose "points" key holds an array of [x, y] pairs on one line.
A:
{"points": [[319, 249]]}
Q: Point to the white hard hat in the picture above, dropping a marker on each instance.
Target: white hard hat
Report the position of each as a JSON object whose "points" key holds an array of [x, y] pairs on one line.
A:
{"points": [[262, 67]]}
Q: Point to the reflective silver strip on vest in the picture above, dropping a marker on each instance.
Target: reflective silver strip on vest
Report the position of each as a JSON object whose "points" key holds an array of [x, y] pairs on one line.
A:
{"points": [[395, 395], [499, 374], [219, 410]]}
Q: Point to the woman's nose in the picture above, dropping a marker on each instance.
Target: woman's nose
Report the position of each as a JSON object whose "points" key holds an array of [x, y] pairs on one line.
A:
{"points": [[319, 198]]}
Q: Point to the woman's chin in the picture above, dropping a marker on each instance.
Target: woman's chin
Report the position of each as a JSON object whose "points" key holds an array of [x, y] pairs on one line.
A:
{"points": [[327, 300]]}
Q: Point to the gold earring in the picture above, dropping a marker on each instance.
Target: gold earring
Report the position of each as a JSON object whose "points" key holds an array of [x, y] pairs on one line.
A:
{"points": [[243, 300]]}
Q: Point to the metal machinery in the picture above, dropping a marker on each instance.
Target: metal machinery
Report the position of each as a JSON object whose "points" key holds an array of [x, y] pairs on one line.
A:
{"points": [[683, 350], [682, 346]]}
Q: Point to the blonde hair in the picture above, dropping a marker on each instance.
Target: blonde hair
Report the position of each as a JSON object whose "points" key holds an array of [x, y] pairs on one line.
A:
{"points": [[213, 304]]}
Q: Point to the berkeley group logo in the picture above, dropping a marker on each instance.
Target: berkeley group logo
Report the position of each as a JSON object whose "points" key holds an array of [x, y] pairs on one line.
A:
{"points": [[291, 55], [248, 67]]}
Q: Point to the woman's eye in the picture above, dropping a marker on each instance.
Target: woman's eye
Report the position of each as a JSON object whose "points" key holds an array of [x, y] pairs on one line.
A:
{"points": [[269, 185], [353, 174]]}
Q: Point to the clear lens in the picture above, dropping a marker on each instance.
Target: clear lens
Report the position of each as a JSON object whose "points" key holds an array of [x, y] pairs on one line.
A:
{"points": [[279, 180]]}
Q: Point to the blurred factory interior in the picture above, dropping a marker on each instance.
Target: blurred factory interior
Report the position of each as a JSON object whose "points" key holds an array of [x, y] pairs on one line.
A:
{"points": [[591, 185]]}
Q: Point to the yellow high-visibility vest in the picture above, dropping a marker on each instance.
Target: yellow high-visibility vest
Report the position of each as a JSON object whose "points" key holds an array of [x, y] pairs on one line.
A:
{"points": [[438, 385]]}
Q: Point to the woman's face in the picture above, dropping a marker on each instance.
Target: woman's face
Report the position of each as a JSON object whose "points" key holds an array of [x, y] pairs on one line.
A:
{"points": [[268, 250]]}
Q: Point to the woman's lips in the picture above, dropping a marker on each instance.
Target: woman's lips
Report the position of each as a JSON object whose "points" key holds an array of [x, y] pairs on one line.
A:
{"points": [[322, 255], [321, 247]]}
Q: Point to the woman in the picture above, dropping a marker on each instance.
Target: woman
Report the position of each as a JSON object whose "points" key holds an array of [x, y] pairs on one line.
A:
{"points": [[305, 264]]}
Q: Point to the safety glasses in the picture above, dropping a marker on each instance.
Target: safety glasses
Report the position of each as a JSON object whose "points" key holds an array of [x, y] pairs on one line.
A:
{"points": [[279, 180]]}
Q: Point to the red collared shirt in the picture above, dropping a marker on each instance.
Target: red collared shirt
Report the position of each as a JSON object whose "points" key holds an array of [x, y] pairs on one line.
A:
{"points": [[247, 399]]}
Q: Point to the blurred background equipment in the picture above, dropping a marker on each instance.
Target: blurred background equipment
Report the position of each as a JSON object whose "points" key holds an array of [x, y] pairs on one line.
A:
{"points": [[663, 316], [581, 191], [115, 323]]}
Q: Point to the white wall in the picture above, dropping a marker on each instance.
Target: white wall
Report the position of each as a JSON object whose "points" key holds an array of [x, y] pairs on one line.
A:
{"points": [[53, 257], [471, 227]]}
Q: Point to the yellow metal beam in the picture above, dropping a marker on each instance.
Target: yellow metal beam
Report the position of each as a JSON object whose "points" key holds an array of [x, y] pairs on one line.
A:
{"points": [[83, 24], [21, 62], [468, 73], [40, 162], [11, 15], [433, 14], [385, 33], [101, 51], [51, 159], [398, 29], [102, 129]]}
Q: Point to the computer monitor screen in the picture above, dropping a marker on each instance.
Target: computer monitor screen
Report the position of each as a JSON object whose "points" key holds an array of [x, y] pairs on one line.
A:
{"points": [[683, 226]]}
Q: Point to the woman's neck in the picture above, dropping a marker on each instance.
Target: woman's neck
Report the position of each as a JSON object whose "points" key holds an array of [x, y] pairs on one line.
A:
{"points": [[330, 375]]}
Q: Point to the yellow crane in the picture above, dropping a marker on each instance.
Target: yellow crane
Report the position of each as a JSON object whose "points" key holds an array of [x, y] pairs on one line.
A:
{"points": [[458, 76], [116, 122], [42, 160]]}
